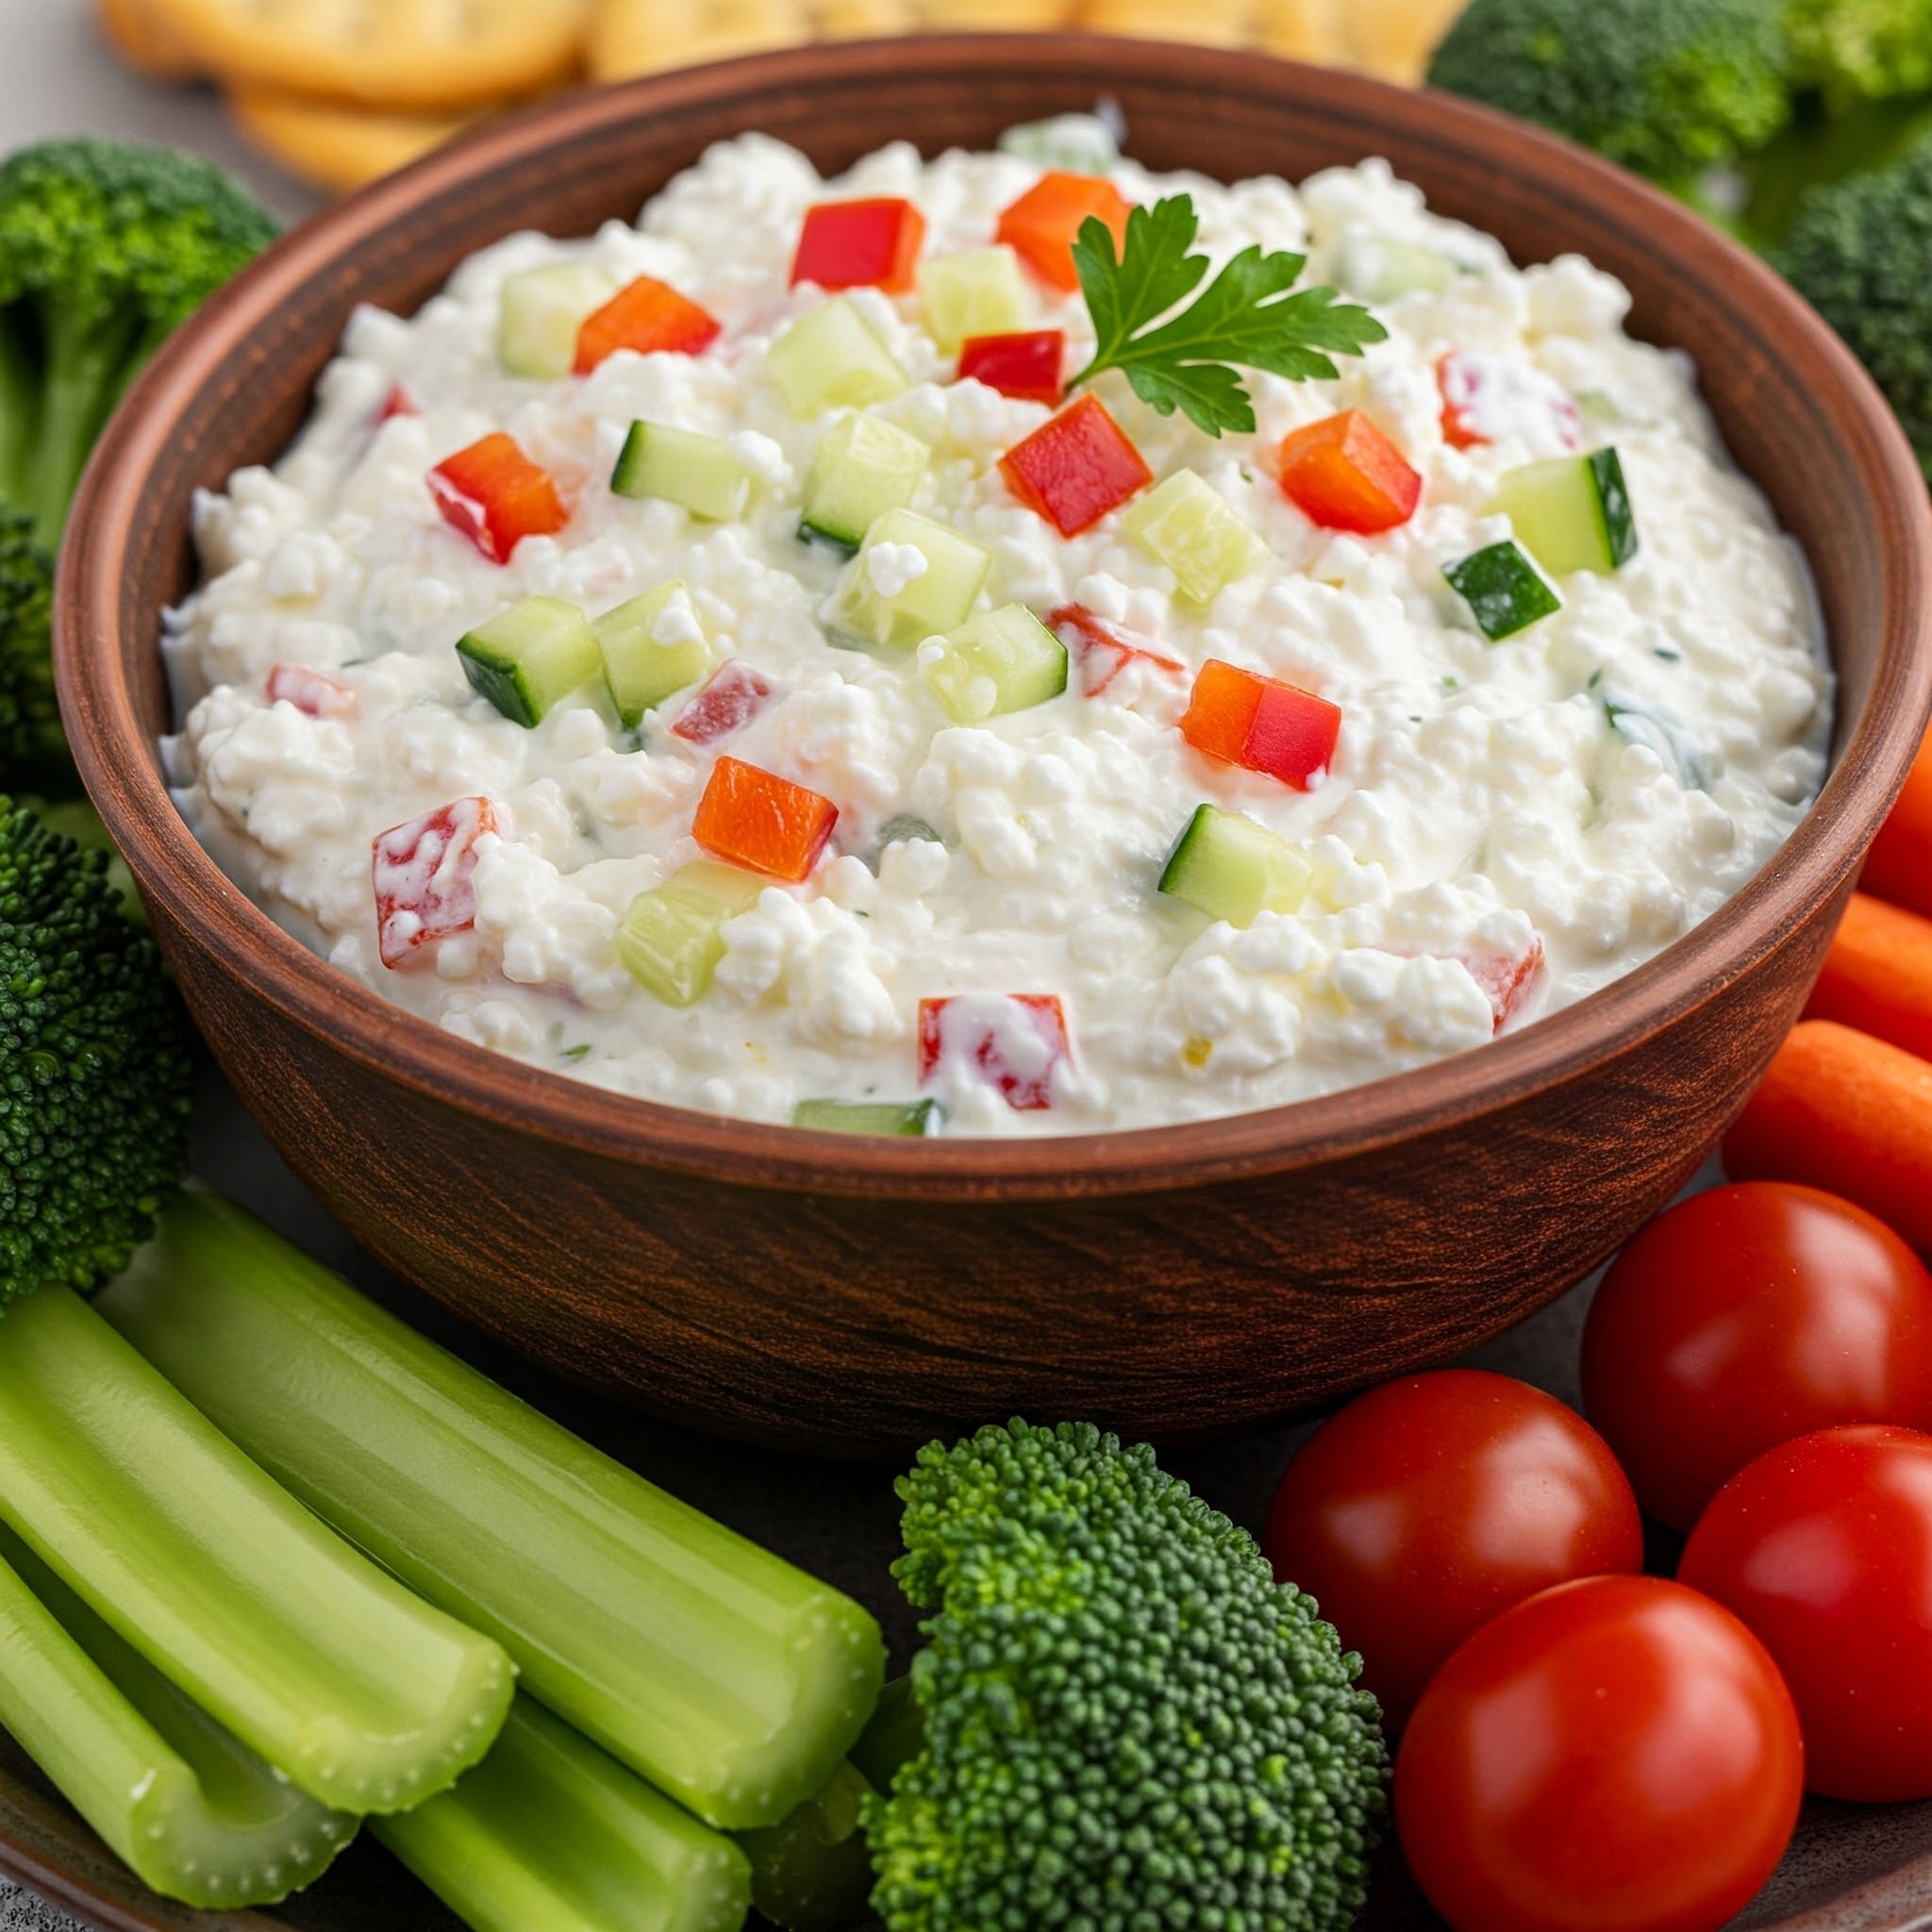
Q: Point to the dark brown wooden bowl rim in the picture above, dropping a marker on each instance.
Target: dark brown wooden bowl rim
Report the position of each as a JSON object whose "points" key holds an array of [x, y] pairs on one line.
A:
{"points": [[236, 335]]}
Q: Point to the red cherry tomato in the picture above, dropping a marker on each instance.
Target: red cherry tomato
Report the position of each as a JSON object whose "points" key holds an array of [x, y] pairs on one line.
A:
{"points": [[1823, 1547], [1742, 1317], [1432, 1503], [1617, 1754]]}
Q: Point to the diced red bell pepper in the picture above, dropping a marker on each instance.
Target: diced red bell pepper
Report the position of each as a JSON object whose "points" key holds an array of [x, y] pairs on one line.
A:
{"points": [[1343, 473], [398, 402], [856, 244], [1015, 1040], [1483, 393], [734, 696], [1026, 366], [1075, 468], [1042, 226], [1510, 980], [1262, 723], [648, 317], [1101, 652], [766, 823], [311, 691], [425, 876], [496, 496]]}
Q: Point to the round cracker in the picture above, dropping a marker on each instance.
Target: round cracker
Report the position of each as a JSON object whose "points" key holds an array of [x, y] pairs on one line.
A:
{"points": [[333, 147], [415, 57], [633, 37], [1395, 37], [130, 28], [1304, 31]]}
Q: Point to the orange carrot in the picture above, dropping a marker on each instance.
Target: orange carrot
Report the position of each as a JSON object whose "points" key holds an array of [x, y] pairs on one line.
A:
{"points": [[1899, 866], [1878, 974], [1848, 1113]]}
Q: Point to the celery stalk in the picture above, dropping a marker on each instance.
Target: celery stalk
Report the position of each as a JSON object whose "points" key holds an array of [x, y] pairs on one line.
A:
{"points": [[550, 1834], [197, 1815], [710, 1666], [361, 1695]]}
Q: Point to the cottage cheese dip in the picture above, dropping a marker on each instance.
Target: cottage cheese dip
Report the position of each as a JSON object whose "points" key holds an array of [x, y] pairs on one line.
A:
{"points": [[875, 847]]}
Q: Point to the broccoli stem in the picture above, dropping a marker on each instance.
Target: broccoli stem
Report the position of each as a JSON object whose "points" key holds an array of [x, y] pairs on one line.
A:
{"points": [[20, 409], [813, 1872], [85, 366], [710, 1666], [550, 1834], [364, 1697], [198, 1816]]}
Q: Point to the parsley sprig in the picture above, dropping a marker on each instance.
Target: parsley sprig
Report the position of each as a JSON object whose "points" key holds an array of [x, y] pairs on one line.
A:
{"points": [[1245, 319]]}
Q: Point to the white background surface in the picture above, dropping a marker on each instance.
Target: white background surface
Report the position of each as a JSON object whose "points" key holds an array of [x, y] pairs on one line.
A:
{"points": [[56, 78]]}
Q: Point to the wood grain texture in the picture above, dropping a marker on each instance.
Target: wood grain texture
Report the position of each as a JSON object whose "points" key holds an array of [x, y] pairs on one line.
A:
{"points": [[824, 1291]]}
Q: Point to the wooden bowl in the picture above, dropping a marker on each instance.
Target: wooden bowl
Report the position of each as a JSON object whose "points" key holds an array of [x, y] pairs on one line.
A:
{"points": [[854, 1295]]}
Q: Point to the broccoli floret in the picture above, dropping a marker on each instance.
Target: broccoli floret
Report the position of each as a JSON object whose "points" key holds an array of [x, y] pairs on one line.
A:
{"points": [[1127, 1722], [33, 747], [1669, 88], [1856, 251], [95, 1067], [104, 248], [1860, 50]]}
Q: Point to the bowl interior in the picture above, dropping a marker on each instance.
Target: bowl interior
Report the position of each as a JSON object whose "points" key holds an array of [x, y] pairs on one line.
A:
{"points": [[1796, 411]]}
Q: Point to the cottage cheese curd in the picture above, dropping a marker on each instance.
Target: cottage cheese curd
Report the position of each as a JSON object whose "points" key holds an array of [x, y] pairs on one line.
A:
{"points": [[1503, 827]]}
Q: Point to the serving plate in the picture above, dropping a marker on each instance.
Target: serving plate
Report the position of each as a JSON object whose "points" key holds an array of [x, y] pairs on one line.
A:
{"points": [[1852, 1868]]}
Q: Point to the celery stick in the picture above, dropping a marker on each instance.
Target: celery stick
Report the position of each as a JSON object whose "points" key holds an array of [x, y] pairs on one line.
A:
{"points": [[198, 1816], [813, 1872], [361, 1695], [549, 1833], [710, 1666]]}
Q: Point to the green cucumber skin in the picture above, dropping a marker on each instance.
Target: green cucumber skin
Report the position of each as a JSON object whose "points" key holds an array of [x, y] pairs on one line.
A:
{"points": [[502, 681], [630, 461], [196, 1815], [550, 1834], [909, 1119], [1503, 591], [844, 543], [1613, 506], [361, 1694], [714, 1668]]}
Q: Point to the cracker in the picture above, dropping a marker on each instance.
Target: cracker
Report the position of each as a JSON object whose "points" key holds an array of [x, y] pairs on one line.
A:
{"points": [[334, 147], [419, 57], [996, 16], [1205, 23], [632, 37], [134, 32], [1305, 29], [858, 20], [1395, 37]]}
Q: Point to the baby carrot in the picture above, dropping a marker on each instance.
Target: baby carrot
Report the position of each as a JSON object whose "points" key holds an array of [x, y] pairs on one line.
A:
{"points": [[1878, 974], [1848, 1113], [1899, 866]]}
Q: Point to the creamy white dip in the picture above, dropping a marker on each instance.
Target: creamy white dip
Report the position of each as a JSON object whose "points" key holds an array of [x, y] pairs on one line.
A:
{"points": [[1582, 792]]}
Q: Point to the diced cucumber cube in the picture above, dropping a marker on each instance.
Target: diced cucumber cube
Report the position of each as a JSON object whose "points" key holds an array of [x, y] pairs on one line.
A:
{"points": [[863, 467], [702, 473], [652, 646], [1231, 868], [912, 1119], [1187, 524], [530, 658], [671, 937], [832, 360], [1573, 513], [881, 604], [1380, 268], [1002, 661], [1503, 591], [980, 293], [539, 312]]}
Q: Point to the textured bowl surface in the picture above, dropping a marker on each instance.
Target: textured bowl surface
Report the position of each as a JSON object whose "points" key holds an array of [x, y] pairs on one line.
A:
{"points": [[817, 1290]]}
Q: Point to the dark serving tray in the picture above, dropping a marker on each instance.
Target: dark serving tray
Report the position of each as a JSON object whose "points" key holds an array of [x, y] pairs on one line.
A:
{"points": [[1852, 1869]]}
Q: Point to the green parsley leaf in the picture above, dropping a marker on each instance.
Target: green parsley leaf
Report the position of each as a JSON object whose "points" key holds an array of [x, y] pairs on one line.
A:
{"points": [[1244, 319]]}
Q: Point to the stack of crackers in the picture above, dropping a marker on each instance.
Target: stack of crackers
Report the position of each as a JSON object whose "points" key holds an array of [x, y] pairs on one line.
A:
{"points": [[341, 91]]}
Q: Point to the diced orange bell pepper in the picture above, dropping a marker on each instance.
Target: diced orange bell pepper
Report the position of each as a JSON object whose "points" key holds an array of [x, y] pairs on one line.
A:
{"points": [[1261, 723], [496, 496], [1345, 474], [648, 317], [1042, 226], [1075, 468], [756, 819], [856, 244]]}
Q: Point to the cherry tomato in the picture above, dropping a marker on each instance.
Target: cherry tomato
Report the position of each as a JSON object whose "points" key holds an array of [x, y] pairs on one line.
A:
{"points": [[1429, 1505], [1823, 1547], [1618, 1754], [1742, 1317]]}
